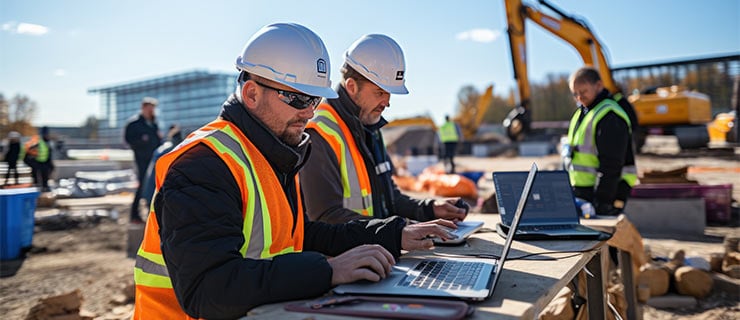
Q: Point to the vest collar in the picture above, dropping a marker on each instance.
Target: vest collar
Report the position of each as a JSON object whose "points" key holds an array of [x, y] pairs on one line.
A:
{"points": [[283, 157], [604, 94]]}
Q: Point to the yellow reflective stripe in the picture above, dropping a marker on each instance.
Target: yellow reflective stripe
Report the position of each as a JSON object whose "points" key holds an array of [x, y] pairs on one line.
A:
{"points": [[346, 189], [250, 205], [150, 270], [153, 257], [151, 280]]}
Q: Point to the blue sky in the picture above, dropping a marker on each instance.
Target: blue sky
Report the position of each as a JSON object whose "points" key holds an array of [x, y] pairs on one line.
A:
{"points": [[54, 51]]}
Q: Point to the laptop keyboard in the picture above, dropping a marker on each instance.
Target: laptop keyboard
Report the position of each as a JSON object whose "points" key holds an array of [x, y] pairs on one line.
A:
{"points": [[444, 275]]}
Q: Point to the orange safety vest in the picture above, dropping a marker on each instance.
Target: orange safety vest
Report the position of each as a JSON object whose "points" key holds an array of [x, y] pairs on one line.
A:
{"points": [[356, 189], [268, 218]]}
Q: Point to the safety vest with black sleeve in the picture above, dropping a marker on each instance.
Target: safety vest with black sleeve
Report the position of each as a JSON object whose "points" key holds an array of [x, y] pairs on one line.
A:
{"points": [[35, 148], [448, 132], [582, 162], [268, 218], [356, 190]]}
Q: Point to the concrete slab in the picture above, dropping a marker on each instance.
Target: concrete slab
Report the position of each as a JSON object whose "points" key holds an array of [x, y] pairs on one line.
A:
{"points": [[663, 216]]}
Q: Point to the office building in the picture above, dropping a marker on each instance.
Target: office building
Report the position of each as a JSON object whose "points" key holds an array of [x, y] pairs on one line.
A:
{"points": [[189, 99]]}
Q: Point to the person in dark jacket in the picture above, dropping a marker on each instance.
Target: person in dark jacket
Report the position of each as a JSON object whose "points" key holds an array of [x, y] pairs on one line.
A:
{"points": [[348, 176], [11, 156], [174, 137], [143, 136], [600, 154], [228, 230]]}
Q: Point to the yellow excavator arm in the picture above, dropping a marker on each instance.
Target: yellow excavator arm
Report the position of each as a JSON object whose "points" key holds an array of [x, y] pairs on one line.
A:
{"points": [[571, 30]]}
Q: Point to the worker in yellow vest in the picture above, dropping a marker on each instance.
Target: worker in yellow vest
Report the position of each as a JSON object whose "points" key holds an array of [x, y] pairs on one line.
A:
{"points": [[349, 174], [599, 155], [449, 134], [37, 155], [227, 230]]}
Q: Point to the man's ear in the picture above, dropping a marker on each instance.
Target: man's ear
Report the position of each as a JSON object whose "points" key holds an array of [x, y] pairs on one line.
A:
{"points": [[351, 86], [249, 94]]}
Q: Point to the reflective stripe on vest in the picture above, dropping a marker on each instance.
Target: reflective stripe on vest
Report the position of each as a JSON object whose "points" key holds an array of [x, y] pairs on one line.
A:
{"points": [[585, 157], [448, 132], [268, 219], [356, 191]]}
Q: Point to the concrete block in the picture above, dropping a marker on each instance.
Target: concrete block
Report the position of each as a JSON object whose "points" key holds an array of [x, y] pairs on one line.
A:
{"points": [[535, 148], [729, 286], [672, 301], [663, 216], [135, 235]]}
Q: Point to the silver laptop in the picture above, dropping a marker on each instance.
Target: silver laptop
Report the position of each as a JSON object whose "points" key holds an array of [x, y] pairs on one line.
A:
{"points": [[551, 212], [460, 278], [464, 230]]}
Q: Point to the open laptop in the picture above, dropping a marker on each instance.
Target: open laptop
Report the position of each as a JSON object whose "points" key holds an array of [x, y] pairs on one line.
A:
{"points": [[460, 278], [551, 210]]}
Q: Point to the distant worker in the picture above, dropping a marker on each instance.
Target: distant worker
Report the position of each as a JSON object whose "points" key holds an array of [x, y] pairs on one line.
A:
{"points": [[348, 175], [37, 154], [143, 136], [228, 231], [174, 137], [11, 156], [449, 134], [599, 155]]}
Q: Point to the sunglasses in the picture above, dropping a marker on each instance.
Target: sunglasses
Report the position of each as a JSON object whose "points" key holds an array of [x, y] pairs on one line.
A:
{"points": [[294, 99]]}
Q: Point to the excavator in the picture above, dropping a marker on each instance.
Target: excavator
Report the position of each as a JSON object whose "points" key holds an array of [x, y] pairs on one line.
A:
{"points": [[572, 30], [670, 110]]}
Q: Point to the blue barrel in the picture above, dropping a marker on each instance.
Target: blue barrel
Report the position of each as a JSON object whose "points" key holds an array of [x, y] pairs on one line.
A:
{"points": [[17, 207]]}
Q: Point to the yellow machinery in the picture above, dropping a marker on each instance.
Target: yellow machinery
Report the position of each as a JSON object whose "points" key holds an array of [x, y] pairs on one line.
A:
{"points": [[469, 119], [672, 106], [671, 110], [571, 30]]}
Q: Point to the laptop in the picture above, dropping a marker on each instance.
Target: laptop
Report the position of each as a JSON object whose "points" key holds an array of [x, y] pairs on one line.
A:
{"points": [[464, 230], [551, 210], [466, 279]]}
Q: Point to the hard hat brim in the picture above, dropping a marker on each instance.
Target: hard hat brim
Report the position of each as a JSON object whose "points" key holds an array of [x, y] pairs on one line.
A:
{"points": [[316, 91], [395, 89]]}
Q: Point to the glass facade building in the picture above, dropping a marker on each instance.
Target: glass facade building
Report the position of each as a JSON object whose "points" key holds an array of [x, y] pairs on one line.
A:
{"points": [[190, 100]]}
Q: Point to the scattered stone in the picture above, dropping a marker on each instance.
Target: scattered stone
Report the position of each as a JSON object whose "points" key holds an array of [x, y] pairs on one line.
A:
{"points": [[693, 282]]}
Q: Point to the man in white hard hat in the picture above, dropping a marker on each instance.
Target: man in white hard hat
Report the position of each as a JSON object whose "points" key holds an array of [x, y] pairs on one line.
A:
{"points": [[348, 176], [227, 231]]}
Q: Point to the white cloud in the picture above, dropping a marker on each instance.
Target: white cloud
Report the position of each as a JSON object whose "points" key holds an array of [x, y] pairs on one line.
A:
{"points": [[60, 72], [25, 28], [479, 35]]}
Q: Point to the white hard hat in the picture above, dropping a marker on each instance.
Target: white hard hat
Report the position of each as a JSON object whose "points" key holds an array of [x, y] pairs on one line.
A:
{"points": [[14, 135], [380, 59], [289, 54]]}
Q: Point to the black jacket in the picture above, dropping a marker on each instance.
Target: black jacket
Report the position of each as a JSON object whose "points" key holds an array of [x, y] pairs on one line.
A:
{"points": [[322, 182], [199, 210], [143, 138], [614, 144], [14, 150]]}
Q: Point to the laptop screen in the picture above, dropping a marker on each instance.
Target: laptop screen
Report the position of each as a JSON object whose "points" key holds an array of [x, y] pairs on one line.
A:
{"points": [[550, 202]]}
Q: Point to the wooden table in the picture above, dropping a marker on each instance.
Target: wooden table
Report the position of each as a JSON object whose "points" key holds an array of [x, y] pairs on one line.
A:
{"points": [[526, 286]]}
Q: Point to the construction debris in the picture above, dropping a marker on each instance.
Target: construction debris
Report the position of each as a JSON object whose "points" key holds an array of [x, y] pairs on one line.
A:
{"points": [[62, 307]]}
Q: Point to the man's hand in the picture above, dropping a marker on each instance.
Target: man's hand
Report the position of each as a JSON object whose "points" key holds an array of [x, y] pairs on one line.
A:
{"points": [[418, 236], [367, 262], [454, 209]]}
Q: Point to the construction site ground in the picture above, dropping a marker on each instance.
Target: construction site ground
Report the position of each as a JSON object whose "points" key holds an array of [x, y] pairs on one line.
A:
{"points": [[89, 253]]}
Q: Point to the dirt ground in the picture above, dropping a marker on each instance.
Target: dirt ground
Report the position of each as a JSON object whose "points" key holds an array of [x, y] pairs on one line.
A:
{"points": [[90, 254]]}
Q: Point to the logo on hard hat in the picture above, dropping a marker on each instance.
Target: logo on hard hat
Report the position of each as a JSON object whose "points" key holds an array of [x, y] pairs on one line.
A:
{"points": [[321, 66], [399, 75]]}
